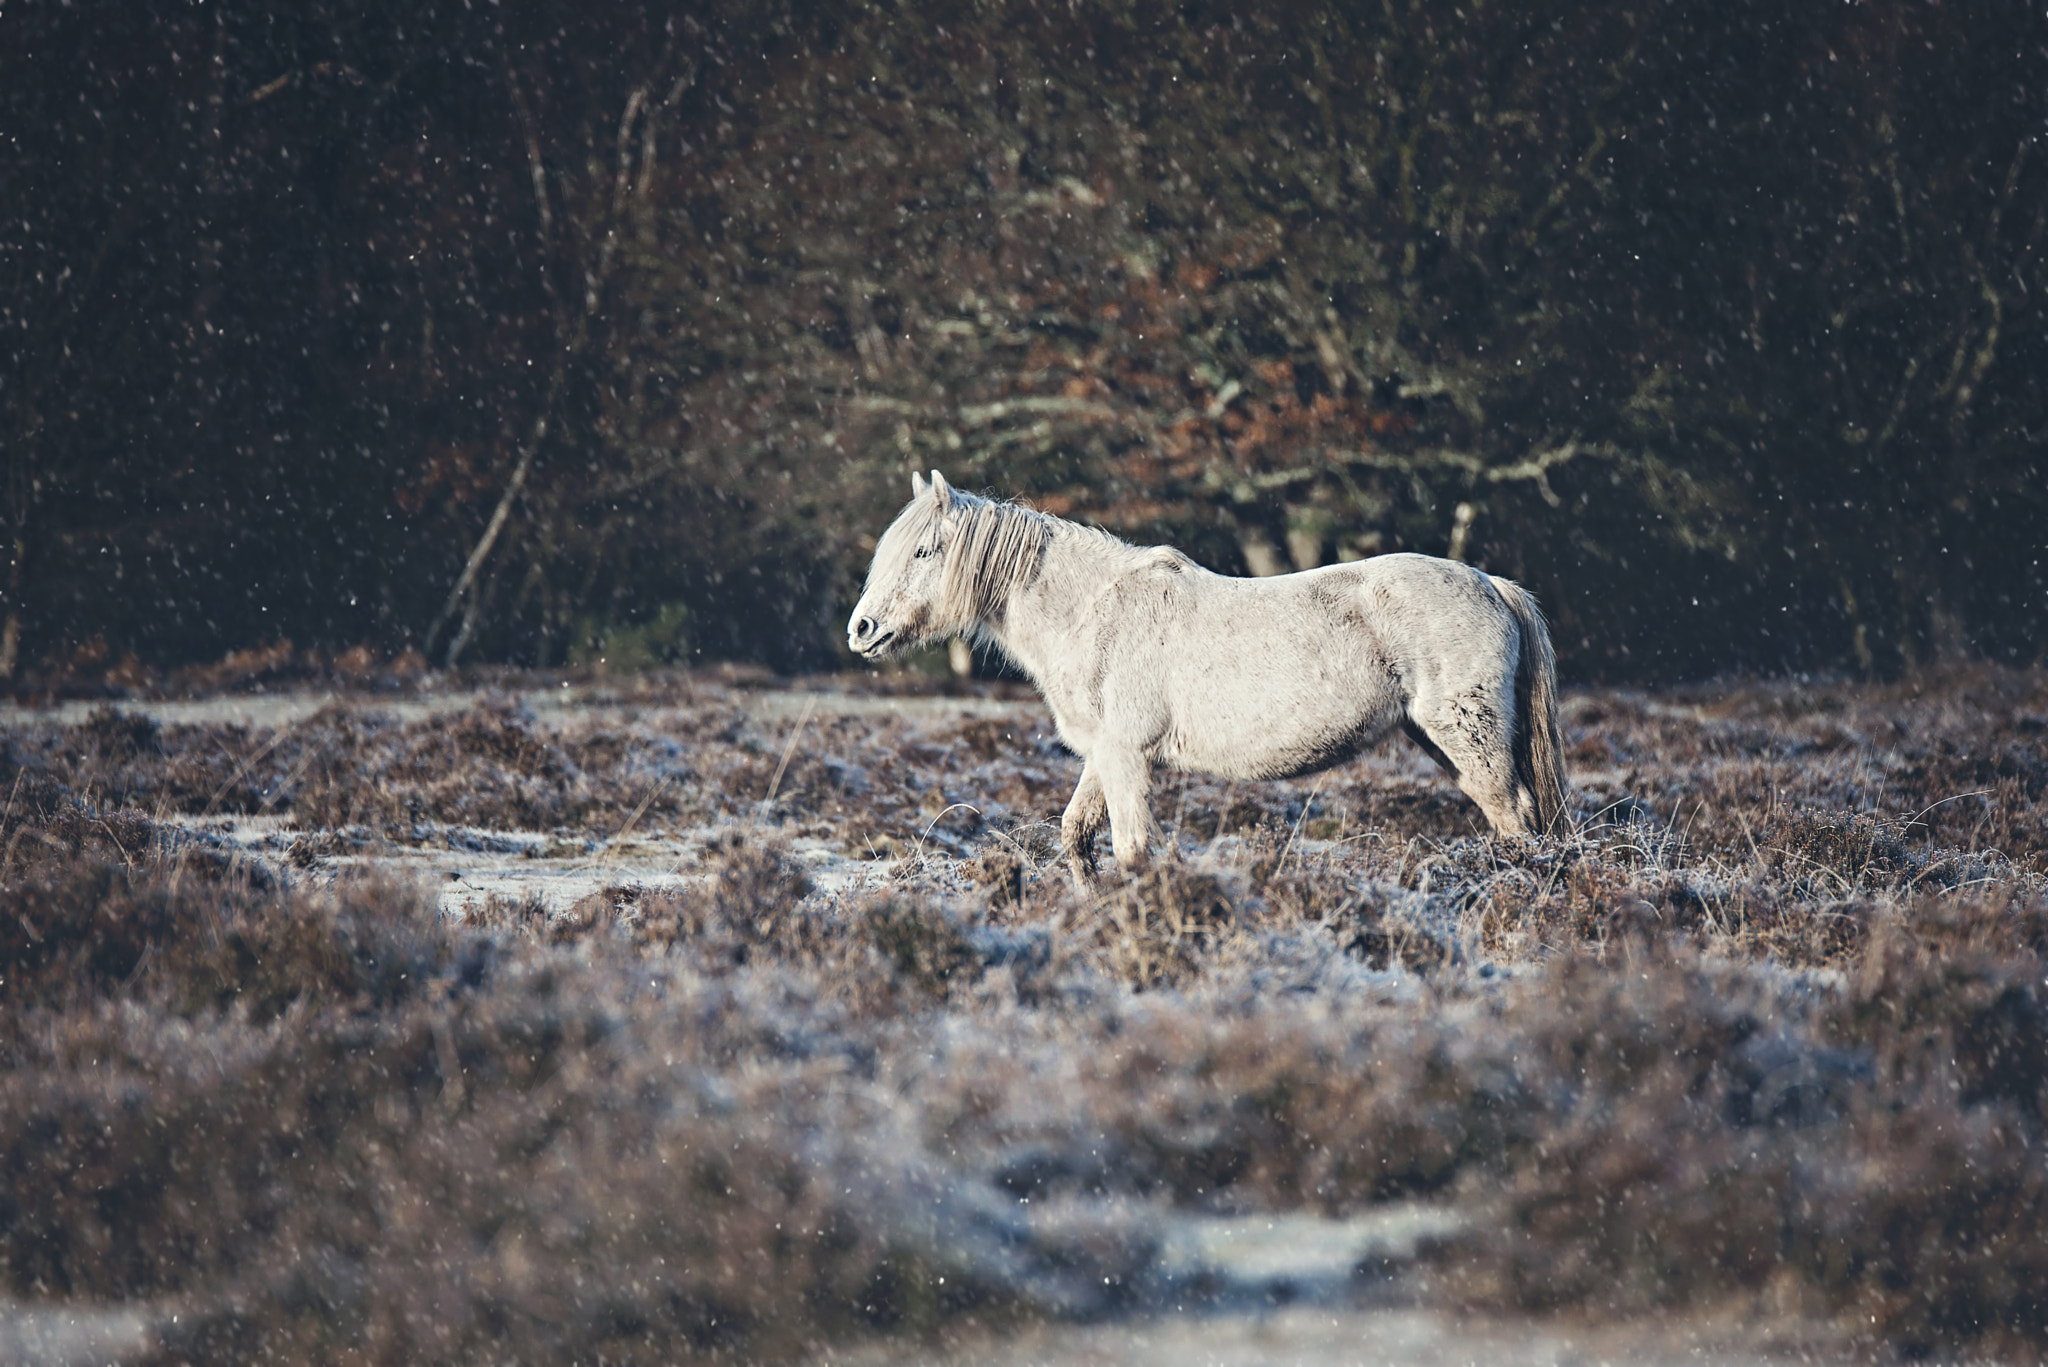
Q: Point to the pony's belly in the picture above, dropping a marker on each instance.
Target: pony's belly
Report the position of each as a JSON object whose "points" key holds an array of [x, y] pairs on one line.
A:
{"points": [[1270, 748]]}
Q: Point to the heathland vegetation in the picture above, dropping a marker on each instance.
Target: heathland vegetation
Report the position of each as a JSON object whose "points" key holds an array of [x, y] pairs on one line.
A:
{"points": [[1765, 1042]]}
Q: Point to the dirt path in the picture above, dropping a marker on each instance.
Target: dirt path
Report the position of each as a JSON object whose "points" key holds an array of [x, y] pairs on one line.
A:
{"points": [[1317, 1336]]}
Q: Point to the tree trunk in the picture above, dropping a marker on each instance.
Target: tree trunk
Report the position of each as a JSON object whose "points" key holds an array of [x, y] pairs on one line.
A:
{"points": [[1261, 556]]}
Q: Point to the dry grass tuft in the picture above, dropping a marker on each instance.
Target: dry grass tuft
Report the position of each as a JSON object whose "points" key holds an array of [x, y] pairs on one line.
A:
{"points": [[928, 947], [1156, 930]]}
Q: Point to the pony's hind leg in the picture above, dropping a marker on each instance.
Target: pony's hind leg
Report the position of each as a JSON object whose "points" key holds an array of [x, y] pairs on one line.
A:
{"points": [[1084, 817], [1471, 734]]}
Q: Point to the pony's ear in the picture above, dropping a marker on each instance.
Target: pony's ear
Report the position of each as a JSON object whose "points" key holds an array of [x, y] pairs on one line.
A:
{"points": [[918, 487], [942, 492]]}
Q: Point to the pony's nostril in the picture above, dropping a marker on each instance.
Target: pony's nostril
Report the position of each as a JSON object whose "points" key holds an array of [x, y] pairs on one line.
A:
{"points": [[864, 628]]}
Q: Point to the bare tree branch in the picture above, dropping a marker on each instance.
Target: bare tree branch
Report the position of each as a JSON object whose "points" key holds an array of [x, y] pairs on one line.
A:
{"points": [[567, 345]]}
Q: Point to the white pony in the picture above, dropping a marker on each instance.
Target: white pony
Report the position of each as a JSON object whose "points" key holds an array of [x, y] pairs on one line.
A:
{"points": [[1146, 658]]}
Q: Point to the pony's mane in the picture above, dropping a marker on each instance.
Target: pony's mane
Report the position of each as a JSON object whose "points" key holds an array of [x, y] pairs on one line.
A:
{"points": [[992, 549], [996, 548]]}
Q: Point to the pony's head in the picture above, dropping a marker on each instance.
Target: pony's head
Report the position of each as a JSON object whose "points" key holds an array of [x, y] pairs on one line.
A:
{"points": [[944, 568]]}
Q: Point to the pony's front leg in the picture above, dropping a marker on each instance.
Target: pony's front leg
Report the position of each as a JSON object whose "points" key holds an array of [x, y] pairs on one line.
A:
{"points": [[1127, 788], [1085, 815]]}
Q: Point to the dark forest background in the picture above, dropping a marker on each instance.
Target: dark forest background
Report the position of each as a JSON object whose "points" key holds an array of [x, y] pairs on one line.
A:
{"points": [[527, 333]]}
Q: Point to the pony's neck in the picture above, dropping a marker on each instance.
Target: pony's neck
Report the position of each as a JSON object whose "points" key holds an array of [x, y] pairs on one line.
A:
{"points": [[1040, 619]]}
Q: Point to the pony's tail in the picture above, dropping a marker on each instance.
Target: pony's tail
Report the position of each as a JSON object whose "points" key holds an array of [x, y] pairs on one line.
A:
{"points": [[1539, 758]]}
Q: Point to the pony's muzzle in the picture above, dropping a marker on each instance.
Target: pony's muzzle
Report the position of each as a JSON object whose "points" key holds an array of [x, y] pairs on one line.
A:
{"points": [[865, 636]]}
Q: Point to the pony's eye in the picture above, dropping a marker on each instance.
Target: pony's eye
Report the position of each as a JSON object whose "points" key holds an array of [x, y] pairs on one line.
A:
{"points": [[923, 551]]}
